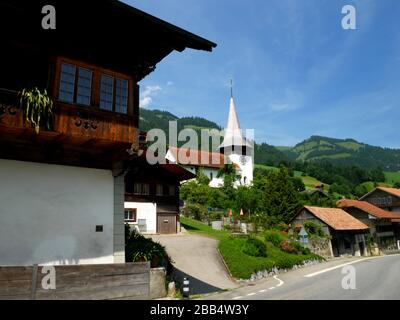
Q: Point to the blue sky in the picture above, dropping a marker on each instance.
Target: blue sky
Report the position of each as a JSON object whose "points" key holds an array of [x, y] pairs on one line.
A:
{"points": [[297, 73]]}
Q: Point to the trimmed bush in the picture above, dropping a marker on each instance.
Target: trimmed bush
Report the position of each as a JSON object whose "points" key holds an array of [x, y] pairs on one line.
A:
{"points": [[254, 247], [275, 237]]}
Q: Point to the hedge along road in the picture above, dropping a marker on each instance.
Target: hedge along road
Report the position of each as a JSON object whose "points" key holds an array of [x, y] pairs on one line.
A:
{"points": [[197, 258]]}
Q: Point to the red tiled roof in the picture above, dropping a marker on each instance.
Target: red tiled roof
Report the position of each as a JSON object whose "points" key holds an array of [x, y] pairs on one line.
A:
{"points": [[338, 219], [393, 191], [198, 158], [368, 208]]}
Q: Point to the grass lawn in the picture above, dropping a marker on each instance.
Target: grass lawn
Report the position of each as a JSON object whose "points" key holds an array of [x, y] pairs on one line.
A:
{"points": [[262, 166], [392, 177], [241, 265]]}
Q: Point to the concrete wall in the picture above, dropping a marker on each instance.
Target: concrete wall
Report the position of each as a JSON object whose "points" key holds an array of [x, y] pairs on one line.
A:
{"points": [[147, 211], [49, 214], [118, 220]]}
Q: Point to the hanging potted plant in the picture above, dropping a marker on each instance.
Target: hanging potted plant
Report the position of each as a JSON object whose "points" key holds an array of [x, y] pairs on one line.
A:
{"points": [[38, 108]]}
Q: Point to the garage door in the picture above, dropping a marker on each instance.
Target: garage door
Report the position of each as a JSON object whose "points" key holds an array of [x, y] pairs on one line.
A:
{"points": [[166, 223]]}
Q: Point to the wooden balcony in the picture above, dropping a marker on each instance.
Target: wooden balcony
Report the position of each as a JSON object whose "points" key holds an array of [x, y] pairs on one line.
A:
{"points": [[73, 125]]}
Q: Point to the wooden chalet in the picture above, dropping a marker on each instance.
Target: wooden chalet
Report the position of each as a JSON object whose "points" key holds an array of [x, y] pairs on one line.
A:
{"points": [[152, 196], [379, 221], [62, 190]]}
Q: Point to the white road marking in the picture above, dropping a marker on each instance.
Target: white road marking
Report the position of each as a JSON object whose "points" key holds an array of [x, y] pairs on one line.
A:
{"points": [[333, 268], [251, 294], [236, 298], [280, 281], [261, 291], [272, 288]]}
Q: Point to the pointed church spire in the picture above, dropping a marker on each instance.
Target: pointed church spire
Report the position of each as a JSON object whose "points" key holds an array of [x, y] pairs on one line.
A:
{"points": [[233, 134]]}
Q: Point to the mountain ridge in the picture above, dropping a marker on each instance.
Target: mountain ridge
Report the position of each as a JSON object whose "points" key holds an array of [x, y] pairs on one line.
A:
{"points": [[316, 148]]}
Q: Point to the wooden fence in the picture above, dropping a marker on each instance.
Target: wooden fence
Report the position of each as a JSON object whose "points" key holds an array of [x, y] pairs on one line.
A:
{"points": [[78, 282]]}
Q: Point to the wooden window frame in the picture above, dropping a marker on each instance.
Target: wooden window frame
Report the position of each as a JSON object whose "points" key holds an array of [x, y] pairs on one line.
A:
{"points": [[144, 185], [134, 213], [162, 190], [172, 187], [97, 72], [139, 185]]}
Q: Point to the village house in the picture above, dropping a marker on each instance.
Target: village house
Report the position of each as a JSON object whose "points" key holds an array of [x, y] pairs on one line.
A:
{"points": [[235, 149], [62, 190], [347, 234], [387, 199], [379, 222], [152, 196]]}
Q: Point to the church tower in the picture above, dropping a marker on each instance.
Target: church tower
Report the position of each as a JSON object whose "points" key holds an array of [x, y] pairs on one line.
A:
{"points": [[236, 147]]}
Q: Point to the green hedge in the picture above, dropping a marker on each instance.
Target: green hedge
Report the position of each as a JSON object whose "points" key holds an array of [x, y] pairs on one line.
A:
{"points": [[240, 264], [254, 247]]}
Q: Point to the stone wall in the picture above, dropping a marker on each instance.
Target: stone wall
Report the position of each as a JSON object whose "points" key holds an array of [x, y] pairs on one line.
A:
{"points": [[157, 283], [321, 247]]}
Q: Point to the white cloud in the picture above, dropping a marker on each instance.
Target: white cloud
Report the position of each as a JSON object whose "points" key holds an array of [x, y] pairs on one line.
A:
{"points": [[147, 95], [280, 107]]}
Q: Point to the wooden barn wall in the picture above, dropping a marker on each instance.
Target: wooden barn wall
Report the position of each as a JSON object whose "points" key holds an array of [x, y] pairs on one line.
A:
{"points": [[78, 282]]}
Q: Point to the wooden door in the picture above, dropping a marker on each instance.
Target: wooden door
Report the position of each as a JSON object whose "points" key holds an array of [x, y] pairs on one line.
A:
{"points": [[166, 223]]}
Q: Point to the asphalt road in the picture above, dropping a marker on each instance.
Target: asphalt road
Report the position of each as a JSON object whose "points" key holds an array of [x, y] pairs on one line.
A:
{"points": [[197, 258], [375, 278]]}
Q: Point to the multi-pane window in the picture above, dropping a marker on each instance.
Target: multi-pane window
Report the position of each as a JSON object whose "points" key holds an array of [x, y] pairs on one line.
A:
{"points": [[113, 94], [121, 96], [137, 188], [130, 215], [141, 188], [92, 86], [84, 87], [159, 190], [145, 189], [71, 75], [67, 83], [106, 92]]}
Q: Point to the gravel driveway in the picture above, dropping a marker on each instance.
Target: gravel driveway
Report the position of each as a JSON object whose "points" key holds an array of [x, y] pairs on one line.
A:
{"points": [[198, 259]]}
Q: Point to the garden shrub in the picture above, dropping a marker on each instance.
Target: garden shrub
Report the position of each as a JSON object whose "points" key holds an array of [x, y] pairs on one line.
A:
{"points": [[141, 249], [215, 216], [197, 211], [281, 226], [314, 229], [287, 246], [300, 248], [254, 247], [274, 237]]}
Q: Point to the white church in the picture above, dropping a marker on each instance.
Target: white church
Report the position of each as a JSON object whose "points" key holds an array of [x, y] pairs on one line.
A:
{"points": [[235, 149]]}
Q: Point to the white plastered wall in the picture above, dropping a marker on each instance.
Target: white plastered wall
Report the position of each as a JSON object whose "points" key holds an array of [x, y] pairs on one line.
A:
{"points": [[49, 214], [146, 211]]}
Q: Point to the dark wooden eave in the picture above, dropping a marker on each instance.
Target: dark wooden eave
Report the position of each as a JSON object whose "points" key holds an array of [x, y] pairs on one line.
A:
{"points": [[107, 33]]}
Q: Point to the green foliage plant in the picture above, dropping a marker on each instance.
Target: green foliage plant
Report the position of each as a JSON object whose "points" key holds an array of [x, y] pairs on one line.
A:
{"points": [[38, 108]]}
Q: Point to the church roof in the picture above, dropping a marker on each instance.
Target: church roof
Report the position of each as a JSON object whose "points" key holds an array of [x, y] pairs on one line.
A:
{"points": [[233, 133], [199, 158]]}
